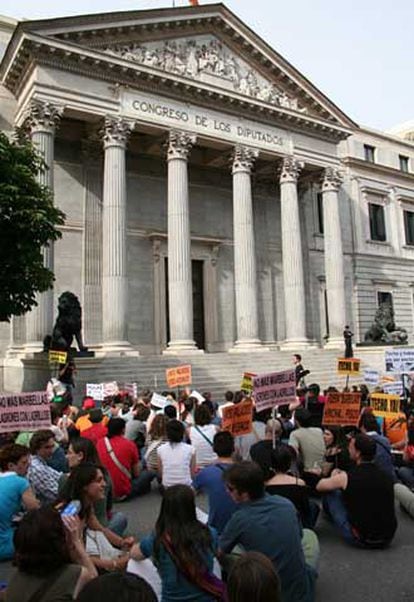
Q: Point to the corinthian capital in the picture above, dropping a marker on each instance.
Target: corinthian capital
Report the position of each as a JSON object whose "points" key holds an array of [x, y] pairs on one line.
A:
{"points": [[43, 115], [332, 179], [179, 144], [290, 169], [244, 158], [116, 131]]}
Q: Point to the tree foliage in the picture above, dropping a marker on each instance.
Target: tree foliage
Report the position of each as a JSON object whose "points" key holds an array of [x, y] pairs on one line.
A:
{"points": [[28, 222]]}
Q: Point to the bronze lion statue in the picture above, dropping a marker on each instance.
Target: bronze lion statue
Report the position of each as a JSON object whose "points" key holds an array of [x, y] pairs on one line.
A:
{"points": [[68, 324]]}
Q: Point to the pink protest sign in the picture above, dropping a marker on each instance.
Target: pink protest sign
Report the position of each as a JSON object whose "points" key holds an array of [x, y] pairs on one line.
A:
{"points": [[24, 412], [274, 389]]}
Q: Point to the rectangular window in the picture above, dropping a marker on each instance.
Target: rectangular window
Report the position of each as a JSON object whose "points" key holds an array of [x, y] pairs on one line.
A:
{"points": [[404, 166], [384, 299], [319, 201], [369, 153], [377, 222], [409, 227]]}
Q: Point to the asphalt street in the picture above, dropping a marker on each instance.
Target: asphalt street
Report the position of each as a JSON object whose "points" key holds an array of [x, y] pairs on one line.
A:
{"points": [[346, 574]]}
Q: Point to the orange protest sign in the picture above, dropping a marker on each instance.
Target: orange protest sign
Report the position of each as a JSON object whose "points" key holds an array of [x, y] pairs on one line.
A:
{"points": [[179, 376], [385, 405], [342, 409], [238, 418], [349, 366]]}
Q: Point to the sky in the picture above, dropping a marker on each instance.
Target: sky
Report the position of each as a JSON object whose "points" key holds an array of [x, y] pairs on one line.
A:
{"points": [[358, 52]]}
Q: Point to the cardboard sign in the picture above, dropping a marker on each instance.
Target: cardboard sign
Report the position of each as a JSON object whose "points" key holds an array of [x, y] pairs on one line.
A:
{"points": [[385, 405], [131, 389], [59, 357], [393, 388], [342, 409], [371, 377], [178, 377], [96, 391], [349, 366], [110, 389], [399, 360], [247, 382], [159, 401], [238, 418], [197, 396], [24, 412], [274, 389]]}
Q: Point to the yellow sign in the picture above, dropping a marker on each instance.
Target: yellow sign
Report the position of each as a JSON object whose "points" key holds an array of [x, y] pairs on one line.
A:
{"points": [[57, 356], [247, 382], [349, 366], [385, 405]]}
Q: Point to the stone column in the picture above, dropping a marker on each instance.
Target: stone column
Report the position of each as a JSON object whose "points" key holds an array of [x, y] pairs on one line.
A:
{"points": [[245, 281], [334, 259], [114, 248], [180, 289], [292, 258], [42, 120]]}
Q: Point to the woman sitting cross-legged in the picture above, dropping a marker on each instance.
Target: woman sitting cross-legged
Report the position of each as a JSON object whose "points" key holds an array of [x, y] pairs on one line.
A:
{"points": [[183, 550], [108, 551]]}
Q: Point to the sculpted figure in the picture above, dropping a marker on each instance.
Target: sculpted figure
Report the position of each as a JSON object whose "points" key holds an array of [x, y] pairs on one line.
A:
{"points": [[68, 324]]}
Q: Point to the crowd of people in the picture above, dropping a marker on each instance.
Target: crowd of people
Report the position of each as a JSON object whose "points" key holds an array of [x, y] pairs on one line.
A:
{"points": [[265, 492]]}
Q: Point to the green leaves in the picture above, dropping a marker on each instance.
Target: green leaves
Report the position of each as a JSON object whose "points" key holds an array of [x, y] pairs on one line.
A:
{"points": [[28, 222]]}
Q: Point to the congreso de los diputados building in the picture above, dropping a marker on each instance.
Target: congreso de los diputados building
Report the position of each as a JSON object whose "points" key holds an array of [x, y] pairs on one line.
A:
{"points": [[215, 199]]}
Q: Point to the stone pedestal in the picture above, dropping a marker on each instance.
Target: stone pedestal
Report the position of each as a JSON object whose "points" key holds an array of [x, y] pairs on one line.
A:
{"points": [[114, 277], [334, 260], [244, 252], [293, 277], [180, 290]]}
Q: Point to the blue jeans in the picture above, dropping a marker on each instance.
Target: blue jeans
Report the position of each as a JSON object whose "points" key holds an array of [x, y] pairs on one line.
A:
{"points": [[142, 484], [334, 506], [406, 474], [118, 523]]}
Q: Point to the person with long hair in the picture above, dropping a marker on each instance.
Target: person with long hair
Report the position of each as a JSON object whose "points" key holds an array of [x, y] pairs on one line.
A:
{"points": [[201, 435], [336, 453], [50, 557], [15, 493], [176, 459], [157, 435], [108, 551], [183, 550], [253, 578]]}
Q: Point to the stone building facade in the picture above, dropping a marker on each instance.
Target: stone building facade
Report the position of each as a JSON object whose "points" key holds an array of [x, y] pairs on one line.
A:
{"points": [[215, 199]]}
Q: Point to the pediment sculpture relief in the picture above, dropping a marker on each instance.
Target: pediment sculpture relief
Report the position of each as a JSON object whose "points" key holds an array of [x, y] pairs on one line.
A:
{"points": [[206, 59]]}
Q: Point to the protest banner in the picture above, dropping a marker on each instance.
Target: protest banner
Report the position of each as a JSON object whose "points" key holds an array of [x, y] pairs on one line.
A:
{"points": [[131, 389], [342, 409], [393, 388], [274, 389], [371, 377], [385, 405], [247, 382], [179, 376], [197, 396], [96, 391], [110, 389], [349, 366], [238, 418], [59, 357], [159, 401], [399, 360], [24, 412]]}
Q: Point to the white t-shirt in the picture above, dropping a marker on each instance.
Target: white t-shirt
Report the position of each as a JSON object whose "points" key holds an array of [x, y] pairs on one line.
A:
{"points": [[204, 451], [176, 462]]}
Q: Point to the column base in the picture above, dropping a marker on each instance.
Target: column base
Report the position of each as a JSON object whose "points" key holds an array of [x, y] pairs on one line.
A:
{"points": [[294, 344], [182, 347], [116, 349], [247, 346], [34, 347]]}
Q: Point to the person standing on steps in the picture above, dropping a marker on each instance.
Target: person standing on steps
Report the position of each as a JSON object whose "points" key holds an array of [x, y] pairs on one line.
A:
{"points": [[348, 342]]}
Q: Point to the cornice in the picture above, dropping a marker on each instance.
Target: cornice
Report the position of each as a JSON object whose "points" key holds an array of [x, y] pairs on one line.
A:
{"points": [[93, 63], [377, 168]]}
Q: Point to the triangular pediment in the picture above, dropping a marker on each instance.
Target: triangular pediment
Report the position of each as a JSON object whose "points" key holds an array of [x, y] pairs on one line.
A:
{"points": [[204, 46]]}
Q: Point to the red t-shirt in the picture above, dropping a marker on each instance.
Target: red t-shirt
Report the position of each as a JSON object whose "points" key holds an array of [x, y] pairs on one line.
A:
{"points": [[95, 432], [127, 453]]}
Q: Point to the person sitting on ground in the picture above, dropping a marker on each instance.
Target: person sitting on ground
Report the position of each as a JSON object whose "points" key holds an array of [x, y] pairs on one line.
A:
{"points": [[291, 487], [83, 451], [176, 459], [187, 414], [108, 550], [201, 435], [136, 429], [83, 421], [270, 525], [253, 578], [183, 549], [98, 430], [336, 454], [228, 401], [121, 587], [43, 479], [368, 424], [210, 481], [307, 441], [406, 472], [315, 403], [120, 457], [15, 493], [51, 560], [261, 452], [170, 412], [157, 435], [361, 502], [243, 443]]}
